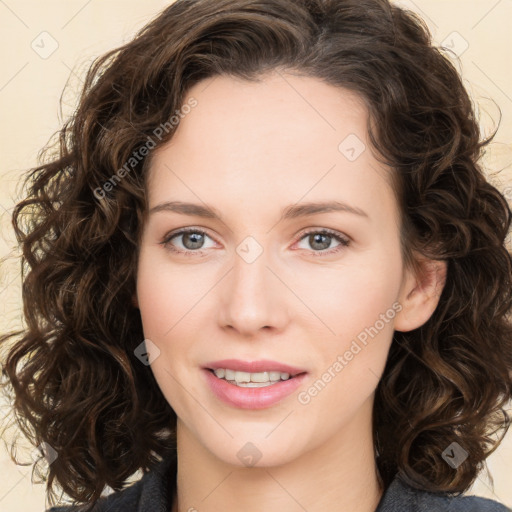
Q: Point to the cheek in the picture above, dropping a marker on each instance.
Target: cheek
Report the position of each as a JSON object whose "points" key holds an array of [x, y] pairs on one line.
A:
{"points": [[164, 298], [154, 305], [359, 308], [165, 293], [351, 297], [352, 362]]}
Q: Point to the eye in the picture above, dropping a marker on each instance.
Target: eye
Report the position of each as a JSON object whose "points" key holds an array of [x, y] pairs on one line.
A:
{"points": [[192, 240], [321, 240]]}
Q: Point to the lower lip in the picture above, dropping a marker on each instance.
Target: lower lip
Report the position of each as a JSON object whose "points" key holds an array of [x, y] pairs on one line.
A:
{"points": [[252, 398]]}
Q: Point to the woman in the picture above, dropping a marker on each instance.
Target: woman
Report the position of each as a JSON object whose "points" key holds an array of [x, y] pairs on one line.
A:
{"points": [[267, 270]]}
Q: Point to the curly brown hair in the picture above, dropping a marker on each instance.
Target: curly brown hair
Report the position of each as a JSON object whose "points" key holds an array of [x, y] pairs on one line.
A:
{"points": [[75, 381]]}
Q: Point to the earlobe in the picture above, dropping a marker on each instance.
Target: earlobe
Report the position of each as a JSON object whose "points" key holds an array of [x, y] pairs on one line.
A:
{"points": [[420, 295]]}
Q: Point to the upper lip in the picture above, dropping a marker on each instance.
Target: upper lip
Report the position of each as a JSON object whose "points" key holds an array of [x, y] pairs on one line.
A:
{"points": [[254, 366]]}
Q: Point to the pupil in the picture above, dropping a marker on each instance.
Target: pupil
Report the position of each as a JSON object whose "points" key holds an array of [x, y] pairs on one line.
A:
{"points": [[195, 244], [314, 237]]}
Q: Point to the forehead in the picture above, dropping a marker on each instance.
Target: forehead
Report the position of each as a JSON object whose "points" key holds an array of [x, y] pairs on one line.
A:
{"points": [[283, 137], [293, 116]]}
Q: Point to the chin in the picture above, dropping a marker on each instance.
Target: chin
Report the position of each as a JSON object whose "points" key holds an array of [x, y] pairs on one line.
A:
{"points": [[255, 451]]}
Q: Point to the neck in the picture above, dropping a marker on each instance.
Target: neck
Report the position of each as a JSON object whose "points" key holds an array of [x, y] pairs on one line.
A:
{"points": [[338, 474]]}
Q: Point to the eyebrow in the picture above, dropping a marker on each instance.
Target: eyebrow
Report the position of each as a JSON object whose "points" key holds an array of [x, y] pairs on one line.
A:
{"points": [[290, 212]]}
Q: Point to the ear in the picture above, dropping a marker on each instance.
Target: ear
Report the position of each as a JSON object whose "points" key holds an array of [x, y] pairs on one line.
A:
{"points": [[135, 302], [420, 293]]}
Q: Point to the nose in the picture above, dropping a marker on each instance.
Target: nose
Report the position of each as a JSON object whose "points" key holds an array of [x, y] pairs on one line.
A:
{"points": [[252, 297]]}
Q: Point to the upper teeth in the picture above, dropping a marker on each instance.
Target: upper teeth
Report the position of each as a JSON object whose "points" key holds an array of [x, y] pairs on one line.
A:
{"points": [[226, 373]]}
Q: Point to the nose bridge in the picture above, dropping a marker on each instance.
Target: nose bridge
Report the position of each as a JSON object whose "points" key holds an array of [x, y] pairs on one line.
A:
{"points": [[252, 299]]}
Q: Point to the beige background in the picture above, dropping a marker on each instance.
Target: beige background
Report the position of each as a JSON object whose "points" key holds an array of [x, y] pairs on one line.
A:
{"points": [[31, 82]]}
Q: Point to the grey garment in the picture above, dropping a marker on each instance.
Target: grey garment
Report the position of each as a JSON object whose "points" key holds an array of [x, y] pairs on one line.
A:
{"points": [[155, 490], [400, 497]]}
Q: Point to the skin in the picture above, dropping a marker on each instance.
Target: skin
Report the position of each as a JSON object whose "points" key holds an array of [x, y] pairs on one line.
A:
{"points": [[249, 150]]}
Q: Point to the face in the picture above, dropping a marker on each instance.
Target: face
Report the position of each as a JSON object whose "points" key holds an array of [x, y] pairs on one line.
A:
{"points": [[319, 289]]}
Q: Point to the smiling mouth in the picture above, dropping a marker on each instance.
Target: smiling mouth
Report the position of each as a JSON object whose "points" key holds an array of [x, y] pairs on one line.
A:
{"points": [[252, 380]]}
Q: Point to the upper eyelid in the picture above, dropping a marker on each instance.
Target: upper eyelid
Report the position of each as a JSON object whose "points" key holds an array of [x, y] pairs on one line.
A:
{"points": [[183, 231]]}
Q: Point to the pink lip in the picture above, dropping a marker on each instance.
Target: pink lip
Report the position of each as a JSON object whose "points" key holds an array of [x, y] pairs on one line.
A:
{"points": [[254, 366], [251, 398]]}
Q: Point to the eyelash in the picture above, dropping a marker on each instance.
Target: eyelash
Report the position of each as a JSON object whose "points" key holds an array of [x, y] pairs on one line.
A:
{"points": [[344, 242]]}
